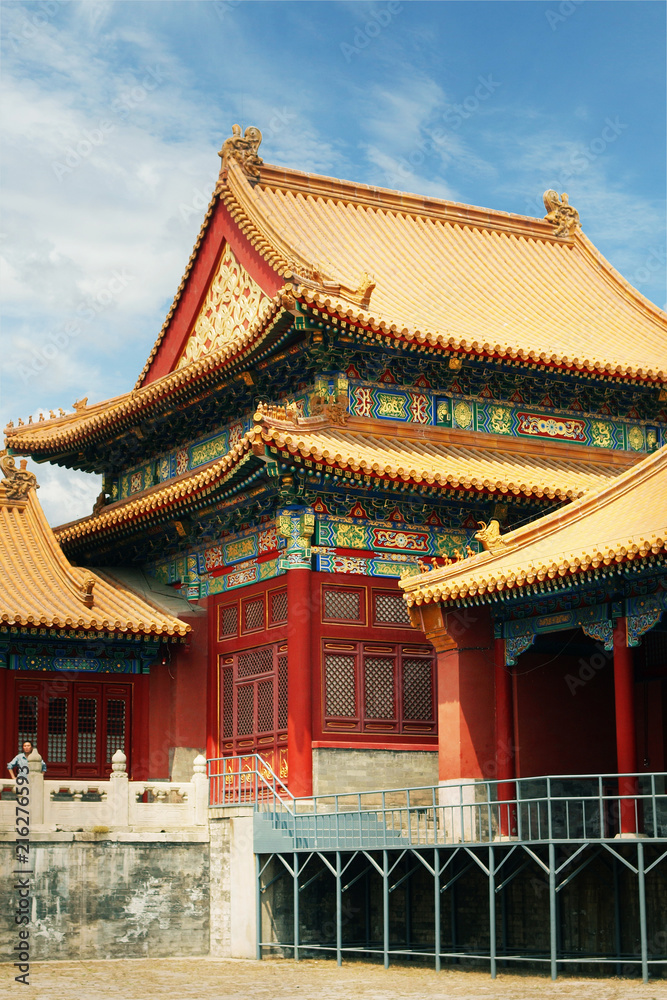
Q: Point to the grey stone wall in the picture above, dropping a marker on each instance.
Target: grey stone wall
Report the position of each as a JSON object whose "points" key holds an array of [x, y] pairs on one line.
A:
{"points": [[97, 897], [359, 770]]}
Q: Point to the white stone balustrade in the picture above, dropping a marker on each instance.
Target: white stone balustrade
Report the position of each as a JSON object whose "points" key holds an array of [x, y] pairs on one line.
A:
{"points": [[116, 804]]}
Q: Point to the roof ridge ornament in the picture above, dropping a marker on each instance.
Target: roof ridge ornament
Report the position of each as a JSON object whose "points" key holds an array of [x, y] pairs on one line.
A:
{"points": [[490, 537], [560, 213], [18, 482], [243, 149]]}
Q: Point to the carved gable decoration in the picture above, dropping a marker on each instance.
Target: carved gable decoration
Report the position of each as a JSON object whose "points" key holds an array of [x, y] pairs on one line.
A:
{"points": [[231, 305]]}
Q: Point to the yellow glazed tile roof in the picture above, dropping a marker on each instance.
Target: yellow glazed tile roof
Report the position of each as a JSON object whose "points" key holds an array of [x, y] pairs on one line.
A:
{"points": [[625, 519], [63, 432], [444, 465], [448, 274], [39, 587], [438, 465]]}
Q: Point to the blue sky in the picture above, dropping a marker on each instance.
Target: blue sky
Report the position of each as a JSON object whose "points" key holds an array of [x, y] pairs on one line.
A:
{"points": [[113, 113]]}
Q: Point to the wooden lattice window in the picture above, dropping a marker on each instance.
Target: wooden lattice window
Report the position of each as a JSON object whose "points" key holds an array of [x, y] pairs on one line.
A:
{"points": [[228, 702], [340, 682], [390, 609], [253, 614], [278, 607], [27, 719], [255, 661], [282, 692], [343, 604], [375, 688], [115, 727], [228, 621], [57, 731], [86, 728], [379, 687], [418, 689]]}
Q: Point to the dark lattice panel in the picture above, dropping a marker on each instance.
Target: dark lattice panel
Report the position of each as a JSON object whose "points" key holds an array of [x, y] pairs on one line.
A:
{"points": [[253, 615], [256, 661], [115, 727], [245, 697], [279, 607], [417, 690], [57, 731], [265, 720], [27, 719], [378, 687], [341, 696], [87, 731], [282, 692], [342, 605], [391, 609], [229, 620], [228, 702]]}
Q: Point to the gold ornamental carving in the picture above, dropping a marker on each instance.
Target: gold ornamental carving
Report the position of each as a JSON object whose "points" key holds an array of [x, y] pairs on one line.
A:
{"points": [[18, 482], [231, 306], [490, 537], [560, 214], [243, 149]]}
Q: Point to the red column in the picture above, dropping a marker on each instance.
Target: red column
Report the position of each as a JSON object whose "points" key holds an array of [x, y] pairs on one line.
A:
{"points": [[299, 682], [505, 762], [626, 752]]}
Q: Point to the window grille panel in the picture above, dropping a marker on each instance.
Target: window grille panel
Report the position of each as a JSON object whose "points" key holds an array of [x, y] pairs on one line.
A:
{"points": [[87, 731], [115, 727], [418, 690], [253, 615], [391, 609], [229, 620], [228, 702], [57, 731], [342, 605], [378, 688], [282, 692], [279, 607], [341, 698], [265, 721], [256, 661], [27, 719], [245, 709]]}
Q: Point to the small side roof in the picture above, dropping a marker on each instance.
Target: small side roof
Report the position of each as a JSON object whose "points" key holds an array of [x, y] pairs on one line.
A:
{"points": [[40, 588], [622, 521]]}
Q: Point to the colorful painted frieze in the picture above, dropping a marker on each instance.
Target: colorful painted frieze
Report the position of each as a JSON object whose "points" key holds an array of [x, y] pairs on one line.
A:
{"points": [[385, 536], [385, 402]]}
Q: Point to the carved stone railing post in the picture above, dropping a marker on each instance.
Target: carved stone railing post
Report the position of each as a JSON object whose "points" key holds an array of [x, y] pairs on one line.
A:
{"points": [[119, 805], [200, 791], [36, 777]]}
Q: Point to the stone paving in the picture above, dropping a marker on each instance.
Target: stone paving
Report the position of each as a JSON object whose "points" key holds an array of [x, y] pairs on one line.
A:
{"points": [[210, 979]]}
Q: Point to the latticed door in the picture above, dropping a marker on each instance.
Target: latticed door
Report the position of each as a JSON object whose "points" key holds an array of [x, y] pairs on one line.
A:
{"points": [[254, 703], [76, 726]]}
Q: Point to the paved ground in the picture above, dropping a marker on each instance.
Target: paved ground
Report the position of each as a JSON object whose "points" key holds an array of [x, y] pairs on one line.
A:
{"points": [[206, 979]]}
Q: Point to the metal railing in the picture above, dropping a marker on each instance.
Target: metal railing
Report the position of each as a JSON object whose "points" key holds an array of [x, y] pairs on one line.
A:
{"points": [[556, 808]]}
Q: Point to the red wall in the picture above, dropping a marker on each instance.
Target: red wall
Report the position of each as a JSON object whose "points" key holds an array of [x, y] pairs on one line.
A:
{"points": [[177, 699]]}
